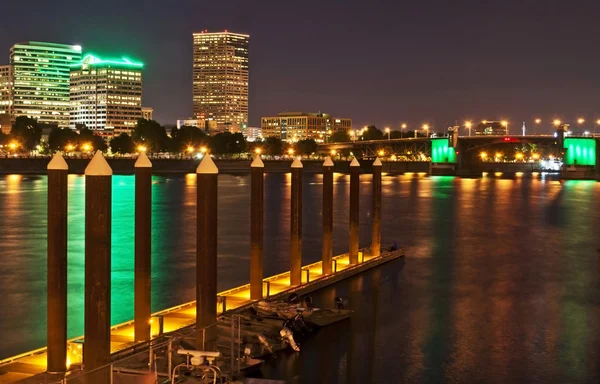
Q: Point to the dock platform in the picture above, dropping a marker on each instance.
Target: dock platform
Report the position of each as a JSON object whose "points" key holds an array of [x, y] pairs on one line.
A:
{"points": [[30, 367]]}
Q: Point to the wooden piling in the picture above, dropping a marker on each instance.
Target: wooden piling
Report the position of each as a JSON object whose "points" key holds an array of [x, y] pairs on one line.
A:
{"points": [[296, 224], [256, 228], [143, 243], [354, 210], [57, 265], [327, 249], [376, 214], [98, 196], [206, 253]]}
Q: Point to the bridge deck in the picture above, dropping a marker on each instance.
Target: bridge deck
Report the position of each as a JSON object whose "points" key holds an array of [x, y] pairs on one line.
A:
{"points": [[30, 366]]}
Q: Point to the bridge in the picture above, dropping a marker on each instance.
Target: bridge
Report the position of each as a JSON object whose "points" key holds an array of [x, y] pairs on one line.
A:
{"points": [[472, 154]]}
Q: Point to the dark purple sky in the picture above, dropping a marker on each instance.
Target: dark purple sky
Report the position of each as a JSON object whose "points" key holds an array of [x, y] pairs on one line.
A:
{"points": [[378, 62]]}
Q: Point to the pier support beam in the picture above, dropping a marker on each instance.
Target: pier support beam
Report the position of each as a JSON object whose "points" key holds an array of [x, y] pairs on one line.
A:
{"points": [[327, 250], [206, 253], [57, 265], [354, 210], [143, 240], [296, 224], [98, 198], [376, 214], [257, 211]]}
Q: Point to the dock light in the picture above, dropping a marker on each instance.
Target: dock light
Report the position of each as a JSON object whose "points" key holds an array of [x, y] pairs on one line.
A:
{"points": [[86, 147], [394, 157], [498, 155], [190, 149], [258, 151], [581, 120], [381, 153], [13, 145], [519, 156], [333, 151], [141, 148], [203, 149], [556, 122], [69, 147], [483, 155], [538, 121], [535, 156], [290, 151]]}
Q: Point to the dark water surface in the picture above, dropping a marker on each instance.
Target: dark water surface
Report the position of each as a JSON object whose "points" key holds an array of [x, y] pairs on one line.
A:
{"points": [[501, 280]]}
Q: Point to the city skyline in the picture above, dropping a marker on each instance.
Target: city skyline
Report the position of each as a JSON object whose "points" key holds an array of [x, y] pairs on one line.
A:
{"points": [[409, 64]]}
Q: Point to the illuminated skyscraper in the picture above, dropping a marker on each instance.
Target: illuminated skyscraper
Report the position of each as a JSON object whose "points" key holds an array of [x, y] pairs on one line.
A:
{"points": [[106, 94], [221, 78], [5, 90], [40, 73]]}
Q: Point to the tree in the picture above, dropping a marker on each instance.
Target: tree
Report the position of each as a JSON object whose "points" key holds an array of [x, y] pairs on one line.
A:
{"points": [[27, 132], [122, 144], [151, 134], [339, 137], [185, 136], [398, 135], [306, 147], [227, 142], [59, 138], [372, 133], [273, 146], [86, 136]]}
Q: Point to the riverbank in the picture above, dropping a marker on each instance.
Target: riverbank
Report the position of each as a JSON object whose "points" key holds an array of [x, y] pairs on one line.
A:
{"points": [[125, 166]]}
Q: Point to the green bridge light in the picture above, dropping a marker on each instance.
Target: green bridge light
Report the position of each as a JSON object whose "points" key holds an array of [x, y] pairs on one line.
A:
{"points": [[441, 152], [580, 151]]}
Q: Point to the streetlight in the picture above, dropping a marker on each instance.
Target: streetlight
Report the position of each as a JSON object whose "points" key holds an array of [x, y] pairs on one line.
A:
{"points": [[580, 120], [69, 147], [468, 125], [141, 148], [291, 151], [86, 147], [257, 150], [402, 127], [519, 156], [203, 149], [556, 122], [381, 153], [353, 134], [538, 120], [426, 129], [190, 149], [333, 152], [483, 155], [387, 130]]}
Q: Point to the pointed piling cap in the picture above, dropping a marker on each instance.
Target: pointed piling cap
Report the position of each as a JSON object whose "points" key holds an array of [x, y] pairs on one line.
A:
{"points": [[143, 161], [377, 163], [257, 163], [98, 166], [354, 163], [207, 166], [297, 163], [58, 163], [328, 162]]}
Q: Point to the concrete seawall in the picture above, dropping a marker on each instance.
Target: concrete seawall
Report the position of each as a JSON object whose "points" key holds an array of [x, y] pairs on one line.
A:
{"points": [[124, 166]]}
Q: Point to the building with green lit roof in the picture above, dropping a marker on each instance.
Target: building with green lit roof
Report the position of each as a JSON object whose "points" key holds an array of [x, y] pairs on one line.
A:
{"points": [[40, 81], [106, 94]]}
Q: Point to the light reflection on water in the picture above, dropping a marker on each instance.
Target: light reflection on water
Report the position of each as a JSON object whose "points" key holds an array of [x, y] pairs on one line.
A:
{"points": [[500, 282]]}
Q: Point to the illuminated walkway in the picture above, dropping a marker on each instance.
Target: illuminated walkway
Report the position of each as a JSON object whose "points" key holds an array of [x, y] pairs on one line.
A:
{"points": [[32, 364]]}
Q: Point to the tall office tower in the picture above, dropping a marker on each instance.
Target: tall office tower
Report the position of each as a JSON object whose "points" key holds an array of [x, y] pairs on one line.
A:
{"points": [[40, 73], [5, 89], [106, 94], [221, 78]]}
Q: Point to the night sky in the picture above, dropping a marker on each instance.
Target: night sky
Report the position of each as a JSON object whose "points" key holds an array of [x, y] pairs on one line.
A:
{"points": [[378, 62]]}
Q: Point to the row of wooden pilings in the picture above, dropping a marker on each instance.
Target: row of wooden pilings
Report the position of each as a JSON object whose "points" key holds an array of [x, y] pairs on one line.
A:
{"points": [[98, 200]]}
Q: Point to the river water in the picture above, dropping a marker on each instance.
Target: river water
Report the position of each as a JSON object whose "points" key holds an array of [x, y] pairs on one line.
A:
{"points": [[500, 283]]}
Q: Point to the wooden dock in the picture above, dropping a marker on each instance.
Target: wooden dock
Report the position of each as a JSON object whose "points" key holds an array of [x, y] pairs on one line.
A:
{"points": [[30, 367]]}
